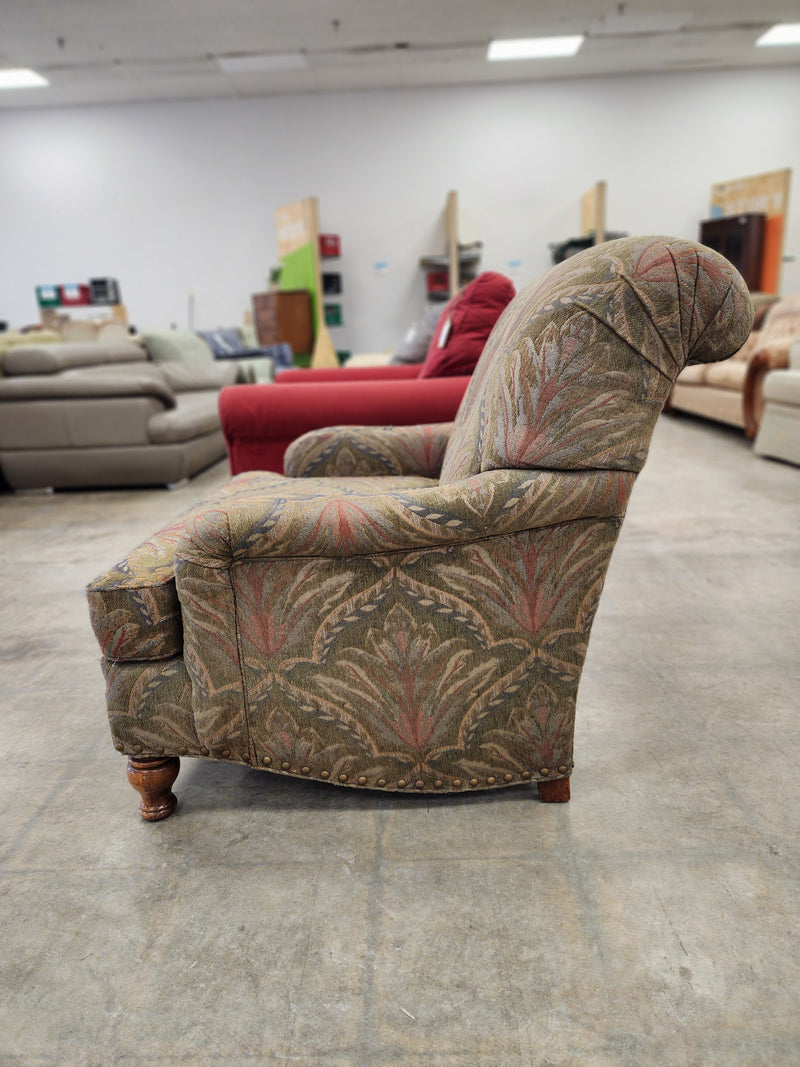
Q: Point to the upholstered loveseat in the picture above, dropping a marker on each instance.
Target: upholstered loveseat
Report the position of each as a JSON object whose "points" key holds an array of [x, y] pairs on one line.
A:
{"points": [[732, 392], [76, 415], [422, 627]]}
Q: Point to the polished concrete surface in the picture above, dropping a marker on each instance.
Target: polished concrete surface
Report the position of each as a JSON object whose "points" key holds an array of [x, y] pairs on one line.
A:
{"points": [[653, 920]]}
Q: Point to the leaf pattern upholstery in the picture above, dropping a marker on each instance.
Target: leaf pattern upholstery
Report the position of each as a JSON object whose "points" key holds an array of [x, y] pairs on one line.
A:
{"points": [[339, 452], [581, 362], [410, 607]]}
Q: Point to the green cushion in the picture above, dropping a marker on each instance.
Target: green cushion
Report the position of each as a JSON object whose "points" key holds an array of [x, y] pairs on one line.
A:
{"points": [[176, 346]]}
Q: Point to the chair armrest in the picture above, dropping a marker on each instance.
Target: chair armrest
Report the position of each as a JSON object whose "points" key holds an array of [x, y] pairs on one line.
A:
{"points": [[771, 356], [261, 421], [383, 372], [775, 351], [190, 377], [304, 518], [85, 386], [343, 451]]}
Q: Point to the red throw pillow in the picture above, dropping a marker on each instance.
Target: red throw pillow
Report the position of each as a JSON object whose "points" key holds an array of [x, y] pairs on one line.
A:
{"points": [[465, 325]]}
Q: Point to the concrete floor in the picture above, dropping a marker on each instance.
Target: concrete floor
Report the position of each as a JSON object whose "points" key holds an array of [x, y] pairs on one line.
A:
{"points": [[653, 920]]}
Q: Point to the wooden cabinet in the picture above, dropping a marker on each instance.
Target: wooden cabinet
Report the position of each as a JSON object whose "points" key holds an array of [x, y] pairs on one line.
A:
{"points": [[284, 316], [740, 238]]}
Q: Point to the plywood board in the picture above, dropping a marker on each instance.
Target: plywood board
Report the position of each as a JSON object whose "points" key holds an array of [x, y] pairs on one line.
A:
{"points": [[593, 212], [767, 194], [297, 234], [451, 231], [295, 226]]}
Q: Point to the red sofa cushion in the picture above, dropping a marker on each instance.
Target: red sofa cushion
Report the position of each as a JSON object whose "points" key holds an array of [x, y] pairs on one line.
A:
{"points": [[465, 324]]}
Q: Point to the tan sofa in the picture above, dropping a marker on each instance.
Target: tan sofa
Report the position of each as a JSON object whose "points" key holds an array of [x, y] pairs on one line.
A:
{"points": [[732, 391], [94, 415]]}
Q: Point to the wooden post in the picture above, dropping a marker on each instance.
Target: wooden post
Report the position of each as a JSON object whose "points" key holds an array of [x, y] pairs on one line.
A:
{"points": [[451, 232], [593, 213]]}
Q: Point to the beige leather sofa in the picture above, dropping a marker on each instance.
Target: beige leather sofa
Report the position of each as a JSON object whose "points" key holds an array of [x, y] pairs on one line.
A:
{"points": [[96, 415], [732, 391]]}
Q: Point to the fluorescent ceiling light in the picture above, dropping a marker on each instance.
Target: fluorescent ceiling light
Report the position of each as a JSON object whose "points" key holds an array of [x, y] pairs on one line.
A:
{"points": [[534, 47], [257, 64], [21, 78], [783, 33]]}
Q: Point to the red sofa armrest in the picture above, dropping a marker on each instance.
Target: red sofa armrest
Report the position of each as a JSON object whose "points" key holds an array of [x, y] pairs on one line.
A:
{"points": [[260, 421], [313, 375]]}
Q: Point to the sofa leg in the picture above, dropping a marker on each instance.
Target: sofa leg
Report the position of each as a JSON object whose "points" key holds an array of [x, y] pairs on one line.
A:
{"points": [[152, 778], [555, 792]]}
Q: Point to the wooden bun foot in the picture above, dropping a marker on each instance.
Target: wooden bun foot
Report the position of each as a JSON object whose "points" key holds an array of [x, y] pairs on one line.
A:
{"points": [[152, 778], [555, 792]]}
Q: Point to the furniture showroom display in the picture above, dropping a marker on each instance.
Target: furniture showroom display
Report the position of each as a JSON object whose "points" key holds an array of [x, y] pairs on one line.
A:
{"points": [[779, 432], [731, 392], [284, 317], [260, 423], [76, 416], [421, 627], [186, 346]]}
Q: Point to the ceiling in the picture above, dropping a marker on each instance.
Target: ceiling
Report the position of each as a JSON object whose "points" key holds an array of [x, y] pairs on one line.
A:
{"points": [[105, 51]]}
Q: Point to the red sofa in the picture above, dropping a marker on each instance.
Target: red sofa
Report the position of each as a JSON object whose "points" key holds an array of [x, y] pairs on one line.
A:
{"points": [[258, 428], [261, 421]]}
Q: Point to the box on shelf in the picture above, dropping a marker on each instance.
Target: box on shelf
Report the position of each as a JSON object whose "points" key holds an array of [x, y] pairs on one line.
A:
{"points": [[74, 295], [48, 296], [333, 314], [438, 281], [330, 245], [104, 291]]}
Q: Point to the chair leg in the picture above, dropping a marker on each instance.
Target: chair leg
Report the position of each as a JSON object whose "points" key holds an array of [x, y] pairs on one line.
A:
{"points": [[152, 778], [555, 792]]}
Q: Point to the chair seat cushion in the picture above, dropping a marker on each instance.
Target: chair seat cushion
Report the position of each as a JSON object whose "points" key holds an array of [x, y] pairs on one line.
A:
{"points": [[196, 414], [694, 375], [783, 386], [134, 606], [730, 374]]}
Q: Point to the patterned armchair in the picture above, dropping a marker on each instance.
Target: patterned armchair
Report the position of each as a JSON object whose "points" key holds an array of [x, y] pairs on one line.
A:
{"points": [[409, 609]]}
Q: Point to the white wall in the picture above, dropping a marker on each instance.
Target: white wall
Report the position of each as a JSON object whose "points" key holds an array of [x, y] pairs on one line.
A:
{"points": [[178, 198]]}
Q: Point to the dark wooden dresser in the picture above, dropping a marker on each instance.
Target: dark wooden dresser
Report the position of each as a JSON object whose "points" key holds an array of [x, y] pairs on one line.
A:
{"points": [[284, 316]]}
